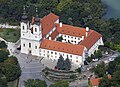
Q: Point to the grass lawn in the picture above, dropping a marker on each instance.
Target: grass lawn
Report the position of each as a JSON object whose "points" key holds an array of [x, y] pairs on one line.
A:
{"points": [[11, 35], [13, 83]]}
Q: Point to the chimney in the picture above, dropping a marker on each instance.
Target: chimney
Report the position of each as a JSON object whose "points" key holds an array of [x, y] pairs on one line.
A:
{"points": [[87, 30], [82, 37], [49, 38], [60, 24]]}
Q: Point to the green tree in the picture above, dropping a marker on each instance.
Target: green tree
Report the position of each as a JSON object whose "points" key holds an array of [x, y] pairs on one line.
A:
{"points": [[116, 79], [98, 54], [35, 83], [3, 55], [67, 64], [61, 83], [11, 60], [3, 44], [100, 70], [105, 82], [11, 72], [78, 70], [60, 63], [3, 82], [60, 38]]}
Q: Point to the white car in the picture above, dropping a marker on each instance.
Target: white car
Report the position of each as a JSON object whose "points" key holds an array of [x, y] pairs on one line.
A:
{"points": [[111, 59], [95, 60]]}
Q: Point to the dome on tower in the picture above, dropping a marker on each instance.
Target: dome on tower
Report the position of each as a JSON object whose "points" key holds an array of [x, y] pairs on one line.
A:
{"points": [[37, 19], [24, 16]]}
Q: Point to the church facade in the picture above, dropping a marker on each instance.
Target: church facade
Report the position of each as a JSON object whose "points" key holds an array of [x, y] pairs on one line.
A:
{"points": [[41, 38]]}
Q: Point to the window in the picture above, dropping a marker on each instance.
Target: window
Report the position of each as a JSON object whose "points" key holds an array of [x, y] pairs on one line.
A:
{"points": [[23, 34], [55, 53], [76, 60], [23, 45], [44, 51], [35, 29], [23, 27], [70, 55], [47, 51], [51, 52], [35, 47], [29, 45], [76, 57]]}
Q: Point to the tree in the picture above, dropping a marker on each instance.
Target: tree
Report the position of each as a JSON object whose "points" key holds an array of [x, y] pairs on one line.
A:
{"points": [[116, 79], [89, 59], [98, 54], [61, 83], [11, 72], [78, 70], [67, 64], [3, 55], [60, 38], [11, 60], [3, 44], [3, 82], [35, 83], [100, 70], [105, 82], [60, 63]]}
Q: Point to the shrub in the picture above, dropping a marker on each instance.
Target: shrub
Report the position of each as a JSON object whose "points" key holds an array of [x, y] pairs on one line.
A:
{"points": [[3, 44], [3, 55], [11, 60]]}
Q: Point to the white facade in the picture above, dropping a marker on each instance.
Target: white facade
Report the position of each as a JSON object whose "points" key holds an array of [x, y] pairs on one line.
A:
{"points": [[70, 39], [30, 38], [54, 56]]}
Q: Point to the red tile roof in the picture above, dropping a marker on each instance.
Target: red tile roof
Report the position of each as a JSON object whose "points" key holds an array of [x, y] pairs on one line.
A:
{"points": [[71, 30], [48, 22], [62, 47], [91, 39], [95, 82], [54, 34]]}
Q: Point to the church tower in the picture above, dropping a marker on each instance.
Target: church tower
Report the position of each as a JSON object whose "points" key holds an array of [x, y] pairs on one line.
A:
{"points": [[31, 35]]}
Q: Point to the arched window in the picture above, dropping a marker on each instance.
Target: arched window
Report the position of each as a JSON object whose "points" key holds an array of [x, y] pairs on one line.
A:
{"points": [[35, 29], [29, 45], [23, 27]]}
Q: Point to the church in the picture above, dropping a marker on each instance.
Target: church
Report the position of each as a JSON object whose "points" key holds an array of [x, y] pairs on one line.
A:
{"points": [[47, 37]]}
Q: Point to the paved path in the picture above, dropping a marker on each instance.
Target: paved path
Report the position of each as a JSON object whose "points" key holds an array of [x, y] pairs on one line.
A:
{"points": [[9, 26]]}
